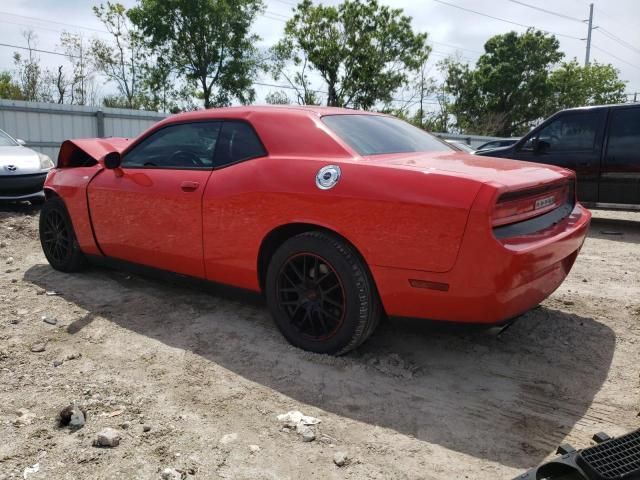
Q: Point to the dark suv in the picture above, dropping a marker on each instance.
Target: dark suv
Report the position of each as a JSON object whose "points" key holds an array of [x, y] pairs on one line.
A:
{"points": [[601, 144]]}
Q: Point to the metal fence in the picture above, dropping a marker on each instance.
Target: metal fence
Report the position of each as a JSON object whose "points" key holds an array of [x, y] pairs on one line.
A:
{"points": [[44, 126]]}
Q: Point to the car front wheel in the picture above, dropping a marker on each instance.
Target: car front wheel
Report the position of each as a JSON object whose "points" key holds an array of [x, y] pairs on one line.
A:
{"points": [[57, 237], [321, 294]]}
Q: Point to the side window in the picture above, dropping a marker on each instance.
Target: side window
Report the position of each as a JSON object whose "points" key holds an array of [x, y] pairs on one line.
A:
{"points": [[624, 137], [181, 146], [238, 141], [569, 133]]}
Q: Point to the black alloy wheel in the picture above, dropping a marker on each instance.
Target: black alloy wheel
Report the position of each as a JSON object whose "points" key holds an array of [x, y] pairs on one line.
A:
{"points": [[57, 237], [311, 293], [321, 294]]}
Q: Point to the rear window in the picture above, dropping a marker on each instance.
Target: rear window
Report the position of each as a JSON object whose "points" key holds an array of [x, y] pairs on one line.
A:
{"points": [[376, 135]]}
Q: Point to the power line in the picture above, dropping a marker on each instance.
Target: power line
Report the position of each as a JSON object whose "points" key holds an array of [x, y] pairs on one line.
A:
{"points": [[615, 38], [551, 12], [616, 57], [37, 50], [504, 20], [53, 21]]}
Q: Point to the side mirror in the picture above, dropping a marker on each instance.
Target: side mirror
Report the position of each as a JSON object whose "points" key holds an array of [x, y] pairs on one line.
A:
{"points": [[112, 160], [21, 142]]}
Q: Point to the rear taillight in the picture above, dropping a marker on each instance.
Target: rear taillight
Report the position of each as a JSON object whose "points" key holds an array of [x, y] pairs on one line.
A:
{"points": [[521, 205]]}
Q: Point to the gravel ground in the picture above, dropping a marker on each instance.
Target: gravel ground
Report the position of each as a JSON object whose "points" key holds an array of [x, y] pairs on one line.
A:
{"points": [[193, 381]]}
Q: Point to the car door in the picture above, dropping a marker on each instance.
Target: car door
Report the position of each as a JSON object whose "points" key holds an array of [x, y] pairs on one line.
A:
{"points": [[570, 140], [149, 211], [620, 176]]}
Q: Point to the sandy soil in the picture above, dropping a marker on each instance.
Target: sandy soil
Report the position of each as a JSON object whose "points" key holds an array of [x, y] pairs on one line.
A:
{"points": [[209, 373]]}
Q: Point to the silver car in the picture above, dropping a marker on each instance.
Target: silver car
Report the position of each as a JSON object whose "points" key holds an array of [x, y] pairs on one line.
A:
{"points": [[22, 171]]}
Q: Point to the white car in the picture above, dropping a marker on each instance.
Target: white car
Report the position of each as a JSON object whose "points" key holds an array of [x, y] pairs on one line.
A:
{"points": [[22, 171]]}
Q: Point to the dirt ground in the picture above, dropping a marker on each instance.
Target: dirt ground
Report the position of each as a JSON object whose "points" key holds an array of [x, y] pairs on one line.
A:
{"points": [[206, 375]]}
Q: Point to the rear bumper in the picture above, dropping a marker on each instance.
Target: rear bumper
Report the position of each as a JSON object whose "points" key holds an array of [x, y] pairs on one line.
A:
{"points": [[22, 187], [493, 280]]}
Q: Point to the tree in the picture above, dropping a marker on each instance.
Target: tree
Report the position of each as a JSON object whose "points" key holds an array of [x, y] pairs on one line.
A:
{"points": [[82, 72], [279, 97], [8, 88], [209, 41], [283, 56], [121, 61], [30, 76], [362, 50], [509, 87], [574, 85]]}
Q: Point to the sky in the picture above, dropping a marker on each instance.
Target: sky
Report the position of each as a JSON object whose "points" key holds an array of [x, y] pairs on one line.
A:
{"points": [[451, 30]]}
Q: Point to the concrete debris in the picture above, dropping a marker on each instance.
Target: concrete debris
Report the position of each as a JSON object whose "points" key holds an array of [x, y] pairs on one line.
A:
{"points": [[229, 438], [108, 437], [72, 416], [307, 434], [341, 459], [170, 474], [38, 347], [31, 470], [25, 417], [254, 448], [293, 418]]}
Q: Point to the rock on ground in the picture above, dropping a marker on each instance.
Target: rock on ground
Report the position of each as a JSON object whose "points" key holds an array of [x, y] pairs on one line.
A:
{"points": [[108, 437]]}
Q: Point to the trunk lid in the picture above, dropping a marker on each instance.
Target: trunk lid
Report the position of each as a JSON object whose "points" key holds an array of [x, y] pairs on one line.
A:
{"points": [[511, 174]]}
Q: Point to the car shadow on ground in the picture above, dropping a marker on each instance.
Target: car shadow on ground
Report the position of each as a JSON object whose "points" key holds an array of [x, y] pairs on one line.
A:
{"points": [[510, 398], [615, 229]]}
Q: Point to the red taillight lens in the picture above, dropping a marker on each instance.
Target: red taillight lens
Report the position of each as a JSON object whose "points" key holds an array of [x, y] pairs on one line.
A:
{"points": [[521, 205]]}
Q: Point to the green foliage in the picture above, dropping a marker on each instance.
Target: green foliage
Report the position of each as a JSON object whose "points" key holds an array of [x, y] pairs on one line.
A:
{"points": [[574, 85], [364, 51], [8, 88], [208, 41], [278, 97], [79, 87], [509, 86], [517, 82], [121, 60]]}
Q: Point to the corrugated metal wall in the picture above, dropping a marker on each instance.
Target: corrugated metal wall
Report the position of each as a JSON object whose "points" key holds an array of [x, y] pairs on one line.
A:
{"points": [[44, 126]]}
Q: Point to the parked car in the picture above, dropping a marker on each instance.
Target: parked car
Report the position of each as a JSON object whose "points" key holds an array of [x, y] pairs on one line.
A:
{"points": [[22, 170], [336, 216], [503, 142], [458, 145], [601, 144]]}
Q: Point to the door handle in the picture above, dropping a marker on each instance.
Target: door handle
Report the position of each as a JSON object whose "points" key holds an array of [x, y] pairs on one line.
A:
{"points": [[189, 186]]}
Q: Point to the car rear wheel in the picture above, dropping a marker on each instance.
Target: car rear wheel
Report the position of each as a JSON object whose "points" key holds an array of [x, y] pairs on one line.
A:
{"points": [[321, 294], [57, 237]]}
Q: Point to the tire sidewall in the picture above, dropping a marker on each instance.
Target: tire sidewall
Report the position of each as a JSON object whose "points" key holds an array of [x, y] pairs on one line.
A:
{"points": [[357, 288], [55, 204]]}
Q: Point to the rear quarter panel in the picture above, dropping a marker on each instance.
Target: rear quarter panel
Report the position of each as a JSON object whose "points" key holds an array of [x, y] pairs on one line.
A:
{"points": [[395, 217]]}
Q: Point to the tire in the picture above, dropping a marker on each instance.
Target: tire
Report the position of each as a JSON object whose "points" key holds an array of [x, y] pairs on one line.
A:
{"points": [[321, 294], [58, 239]]}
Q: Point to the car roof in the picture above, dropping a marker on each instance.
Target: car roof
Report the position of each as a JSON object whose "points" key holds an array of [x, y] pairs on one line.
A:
{"points": [[244, 111], [597, 107]]}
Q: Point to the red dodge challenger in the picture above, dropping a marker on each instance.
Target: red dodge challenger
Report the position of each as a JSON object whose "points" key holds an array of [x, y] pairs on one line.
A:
{"points": [[337, 216]]}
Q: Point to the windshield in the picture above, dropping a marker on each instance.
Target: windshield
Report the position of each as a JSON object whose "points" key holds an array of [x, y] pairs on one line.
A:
{"points": [[6, 140], [377, 134]]}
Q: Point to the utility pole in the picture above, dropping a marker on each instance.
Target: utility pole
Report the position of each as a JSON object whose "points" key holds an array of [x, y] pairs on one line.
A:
{"points": [[586, 59]]}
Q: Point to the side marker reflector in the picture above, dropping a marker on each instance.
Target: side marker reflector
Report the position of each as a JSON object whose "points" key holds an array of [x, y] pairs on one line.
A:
{"points": [[442, 287]]}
